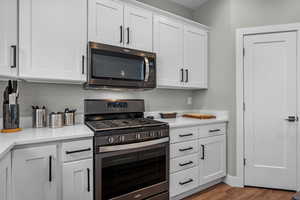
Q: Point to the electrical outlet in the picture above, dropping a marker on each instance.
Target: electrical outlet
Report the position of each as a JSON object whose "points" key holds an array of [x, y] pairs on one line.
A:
{"points": [[190, 100]]}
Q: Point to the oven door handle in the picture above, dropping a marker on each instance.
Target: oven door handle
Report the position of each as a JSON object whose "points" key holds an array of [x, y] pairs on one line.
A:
{"points": [[147, 69], [106, 149]]}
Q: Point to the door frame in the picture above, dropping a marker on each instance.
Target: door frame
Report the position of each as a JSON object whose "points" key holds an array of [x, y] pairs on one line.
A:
{"points": [[240, 131]]}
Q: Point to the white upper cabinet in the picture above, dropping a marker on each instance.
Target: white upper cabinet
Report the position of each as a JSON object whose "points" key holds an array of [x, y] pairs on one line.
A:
{"points": [[106, 22], [195, 57], [138, 28], [181, 54], [53, 40], [34, 173], [116, 23], [168, 45], [8, 38]]}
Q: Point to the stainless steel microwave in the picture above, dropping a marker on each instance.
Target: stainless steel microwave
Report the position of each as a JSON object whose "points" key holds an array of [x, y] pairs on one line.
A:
{"points": [[117, 67]]}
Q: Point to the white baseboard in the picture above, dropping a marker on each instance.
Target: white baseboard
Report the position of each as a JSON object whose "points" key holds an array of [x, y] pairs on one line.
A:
{"points": [[233, 181]]}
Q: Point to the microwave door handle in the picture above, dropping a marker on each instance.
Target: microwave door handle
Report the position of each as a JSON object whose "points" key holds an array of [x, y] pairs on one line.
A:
{"points": [[147, 69]]}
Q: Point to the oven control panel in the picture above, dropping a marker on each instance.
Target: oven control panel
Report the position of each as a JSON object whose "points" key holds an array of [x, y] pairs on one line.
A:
{"points": [[134, 137]]}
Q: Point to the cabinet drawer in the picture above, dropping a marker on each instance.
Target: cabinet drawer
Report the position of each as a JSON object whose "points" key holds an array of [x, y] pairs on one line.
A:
{"points": [[77, 150], [183, 163], [212, 130], [184, 181], [184, 148], [183, 134]]}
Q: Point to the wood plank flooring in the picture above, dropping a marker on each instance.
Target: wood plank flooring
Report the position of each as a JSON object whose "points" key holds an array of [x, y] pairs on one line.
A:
{"points": [[225, 192]]}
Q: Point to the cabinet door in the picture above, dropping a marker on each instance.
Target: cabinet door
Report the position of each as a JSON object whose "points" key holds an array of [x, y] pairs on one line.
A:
{"points": [[168, 44], [195, 57], [8, 38], [138, 28], [34, 173], [53, 39], [212, 158], [5, 178], [78, 180], [106, 22]]}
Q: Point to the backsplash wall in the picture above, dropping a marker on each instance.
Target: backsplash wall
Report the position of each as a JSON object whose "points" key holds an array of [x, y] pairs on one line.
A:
{"points": [[56, 97]]}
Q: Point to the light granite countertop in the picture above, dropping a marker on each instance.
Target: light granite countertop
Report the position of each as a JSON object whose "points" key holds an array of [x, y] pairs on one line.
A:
{"points": [[41, 135], [181, 122]]}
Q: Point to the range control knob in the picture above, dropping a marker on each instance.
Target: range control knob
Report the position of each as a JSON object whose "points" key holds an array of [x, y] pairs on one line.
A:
{"points": [[110, 140], [161, 133], [153, 134], [122, 138], [138, 136]]}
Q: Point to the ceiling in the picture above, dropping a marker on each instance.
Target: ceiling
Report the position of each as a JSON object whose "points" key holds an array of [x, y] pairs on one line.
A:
{"points": [[192, 4]]}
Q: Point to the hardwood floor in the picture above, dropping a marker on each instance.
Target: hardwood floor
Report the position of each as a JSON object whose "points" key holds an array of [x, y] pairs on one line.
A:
{"points": [[225, 192]]}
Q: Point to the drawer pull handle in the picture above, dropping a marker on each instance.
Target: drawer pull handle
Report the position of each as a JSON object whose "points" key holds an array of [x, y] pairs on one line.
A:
{"points": [[203, 152], [214, 130], [186, 149], [187, 163], [78, 151], [186, 182], [186, 135]]}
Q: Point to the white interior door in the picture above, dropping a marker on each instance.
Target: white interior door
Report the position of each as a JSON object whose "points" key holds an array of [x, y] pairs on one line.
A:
{"points": [[270, 66]]}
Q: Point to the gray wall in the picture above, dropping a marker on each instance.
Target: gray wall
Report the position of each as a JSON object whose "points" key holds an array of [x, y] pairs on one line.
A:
{"points": [[224, 17], [57, 97], [170, 6]]}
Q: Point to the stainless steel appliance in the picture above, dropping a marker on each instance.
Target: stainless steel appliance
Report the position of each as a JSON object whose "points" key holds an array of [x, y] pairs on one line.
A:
{"points": [[116, 67], [131, 153]]}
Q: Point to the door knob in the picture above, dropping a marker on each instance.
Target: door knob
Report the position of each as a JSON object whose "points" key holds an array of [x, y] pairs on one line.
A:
{"points": [[292, 119]]}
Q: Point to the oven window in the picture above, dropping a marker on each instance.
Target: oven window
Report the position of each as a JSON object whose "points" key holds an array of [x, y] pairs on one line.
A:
{"points": [[130, 172], [113, 65]]}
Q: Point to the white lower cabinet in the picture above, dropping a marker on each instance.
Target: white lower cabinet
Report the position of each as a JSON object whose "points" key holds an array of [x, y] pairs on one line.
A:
{"points": [[5, 177], [78, 180], [34, 173], [198, 157], [213, 158], [60, 171], [184, 181]]}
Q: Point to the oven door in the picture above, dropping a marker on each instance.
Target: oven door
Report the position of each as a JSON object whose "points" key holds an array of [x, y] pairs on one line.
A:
{"points": [[111, 66], [134, 171]]}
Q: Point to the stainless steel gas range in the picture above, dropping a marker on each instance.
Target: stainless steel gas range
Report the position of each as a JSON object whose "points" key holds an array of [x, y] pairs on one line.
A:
{"points": [[131, 153]]}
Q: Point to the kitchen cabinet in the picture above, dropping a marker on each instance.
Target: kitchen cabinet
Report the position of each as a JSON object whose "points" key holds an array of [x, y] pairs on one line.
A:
{"points": [[181, 54], [5, 177], [197, 158], [78, 180], [212, 159], [8, 38], [52, 47], [116, 23], [106, 22], [195, 57], [168, 44], [138, 28], [34, 173]]}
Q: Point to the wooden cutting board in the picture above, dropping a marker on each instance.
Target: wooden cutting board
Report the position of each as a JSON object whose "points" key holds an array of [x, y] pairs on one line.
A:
{"points": [[199, 116]]}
